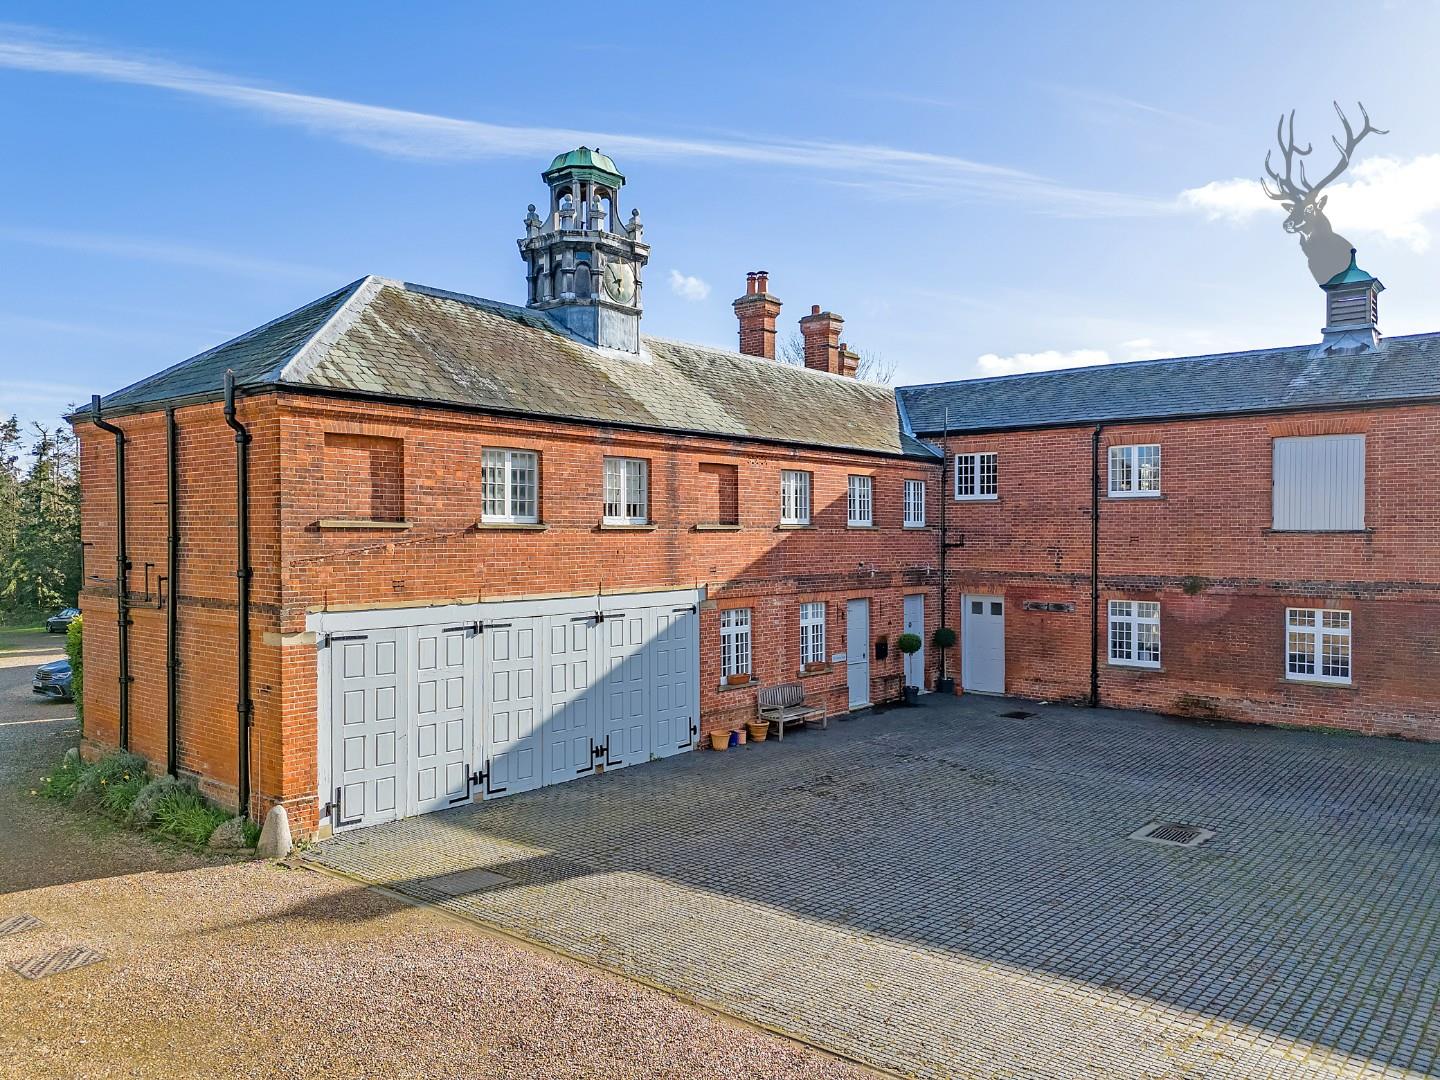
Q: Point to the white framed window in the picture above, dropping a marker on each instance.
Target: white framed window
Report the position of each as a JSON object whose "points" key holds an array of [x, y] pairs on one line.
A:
{"points": [[1135, 633], [812, 633], [977, 476], [627, 491], [1318, 483], [914, 504], [1317, 645], [509, 485], [1135, 471], [734, 642], [860, 502], [794, 497]]}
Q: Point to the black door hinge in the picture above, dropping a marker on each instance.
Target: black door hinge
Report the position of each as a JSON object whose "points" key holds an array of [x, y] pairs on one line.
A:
{"points": [[483, 777], [591, 766], [332, 809]]}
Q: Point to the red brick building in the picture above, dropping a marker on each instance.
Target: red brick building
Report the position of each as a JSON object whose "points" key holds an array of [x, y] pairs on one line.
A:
{"points": [[492, 547], [404, 547], [1248, 536]]}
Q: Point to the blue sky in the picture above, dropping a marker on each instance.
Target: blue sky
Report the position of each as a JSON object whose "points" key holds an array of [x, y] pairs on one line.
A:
{"points": [[977, 188]]}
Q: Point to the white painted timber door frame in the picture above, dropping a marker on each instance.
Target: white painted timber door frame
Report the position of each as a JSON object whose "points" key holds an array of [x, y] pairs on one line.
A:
{"points": [[982, 643], [857, 651], [915, 624]]}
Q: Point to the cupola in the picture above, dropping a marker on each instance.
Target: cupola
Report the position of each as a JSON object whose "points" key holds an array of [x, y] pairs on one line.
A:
{"points": [[1352, 312], [583, 265]]}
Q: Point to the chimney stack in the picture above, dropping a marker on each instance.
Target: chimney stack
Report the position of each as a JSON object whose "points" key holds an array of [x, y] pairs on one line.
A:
{"points": [[823, 350], [757, 311]]}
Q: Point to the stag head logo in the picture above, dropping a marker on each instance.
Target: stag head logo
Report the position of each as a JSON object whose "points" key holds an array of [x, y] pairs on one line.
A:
{"points": [[1326, 250]]}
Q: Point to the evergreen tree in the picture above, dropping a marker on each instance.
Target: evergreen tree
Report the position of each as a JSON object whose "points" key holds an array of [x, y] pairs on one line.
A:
{"points": [[40, 556]]}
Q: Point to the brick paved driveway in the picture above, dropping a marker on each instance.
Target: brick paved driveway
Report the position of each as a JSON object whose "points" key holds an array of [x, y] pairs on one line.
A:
{"points": [[945, 891]]}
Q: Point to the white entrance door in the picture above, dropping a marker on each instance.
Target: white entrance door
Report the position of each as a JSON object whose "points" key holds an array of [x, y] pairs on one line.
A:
{"points": [[512, 706], [857, 651], [440, 728], [674, 689], [982, 644], [569, 730], [367, 696], [626, 687], [915, 624]]}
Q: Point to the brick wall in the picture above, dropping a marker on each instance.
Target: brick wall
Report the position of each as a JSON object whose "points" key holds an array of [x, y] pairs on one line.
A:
{"points": [[316, 459], [1206, 551]]}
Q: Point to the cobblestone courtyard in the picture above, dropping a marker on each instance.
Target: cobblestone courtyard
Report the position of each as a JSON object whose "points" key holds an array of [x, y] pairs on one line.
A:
{"points": [[946, 891]]}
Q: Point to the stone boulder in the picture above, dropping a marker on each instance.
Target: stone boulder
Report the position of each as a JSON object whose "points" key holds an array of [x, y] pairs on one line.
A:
{"points": [[230, 835], [275, 842]]}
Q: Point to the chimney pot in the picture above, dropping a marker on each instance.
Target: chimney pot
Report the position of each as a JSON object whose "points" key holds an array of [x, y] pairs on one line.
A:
{"points": [[757, 311], [814, 309]]}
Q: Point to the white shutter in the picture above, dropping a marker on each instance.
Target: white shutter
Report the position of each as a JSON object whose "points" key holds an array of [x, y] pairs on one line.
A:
{"points": [[1319, 482]]}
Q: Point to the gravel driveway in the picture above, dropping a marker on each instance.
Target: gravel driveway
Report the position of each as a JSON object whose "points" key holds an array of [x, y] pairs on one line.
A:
{"points": [[249, 969]]}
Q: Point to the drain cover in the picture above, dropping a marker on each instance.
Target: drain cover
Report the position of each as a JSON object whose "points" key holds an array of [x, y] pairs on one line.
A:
{"points": [[1174, 833], [18, 924], [1018, 714], [464, 882], [56, 963]]}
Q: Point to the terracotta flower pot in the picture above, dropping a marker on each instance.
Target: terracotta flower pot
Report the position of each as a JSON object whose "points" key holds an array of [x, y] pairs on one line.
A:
{"points": [[719, 740], [737, 680], [759, 731], [816, 665]]}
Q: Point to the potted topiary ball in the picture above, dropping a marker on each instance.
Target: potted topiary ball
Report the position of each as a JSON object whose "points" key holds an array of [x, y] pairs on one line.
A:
{"points": [[910, 644], [942, 639]]}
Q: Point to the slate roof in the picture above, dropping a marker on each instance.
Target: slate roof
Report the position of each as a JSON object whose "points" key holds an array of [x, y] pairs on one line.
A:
{"points": [[1403, 368], [403, 341]]}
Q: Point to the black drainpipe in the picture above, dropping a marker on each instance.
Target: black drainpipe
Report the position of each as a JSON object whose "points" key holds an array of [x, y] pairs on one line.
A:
{"points": [[172, 595], [1095, 566], [122, 570], [244, 707], [944, 506]]}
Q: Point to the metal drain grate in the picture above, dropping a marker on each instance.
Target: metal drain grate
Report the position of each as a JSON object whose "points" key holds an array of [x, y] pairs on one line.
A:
{"points": [[1173, 833], [18, 924], [56, 963], [1018, 714]]}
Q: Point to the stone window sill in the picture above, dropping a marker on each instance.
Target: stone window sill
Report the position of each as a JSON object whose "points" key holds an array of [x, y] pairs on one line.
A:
{"points": [[513, 526], [726, 687], [977, 498], [361, 523], [917, 528], [1317, 684], [717, 527], [1134, 669], [826, 670], [625, 526], [872, 527], [1158, 496], [1320, 532], [785, 526]]}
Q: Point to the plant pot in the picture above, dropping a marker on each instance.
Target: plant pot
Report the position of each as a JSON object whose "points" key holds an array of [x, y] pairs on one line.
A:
{"points": [[739, 739], [736, 680], [912, 695], [945, 686], [719, 740], [816, 665], [759, 731]]}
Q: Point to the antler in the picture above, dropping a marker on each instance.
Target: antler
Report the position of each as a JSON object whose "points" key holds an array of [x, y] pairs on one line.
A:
{"points": [[1351, 142], [1286, 189]]}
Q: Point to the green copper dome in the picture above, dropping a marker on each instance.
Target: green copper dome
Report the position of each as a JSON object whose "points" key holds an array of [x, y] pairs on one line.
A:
{"points": [[1351, 275], [583, 159]]}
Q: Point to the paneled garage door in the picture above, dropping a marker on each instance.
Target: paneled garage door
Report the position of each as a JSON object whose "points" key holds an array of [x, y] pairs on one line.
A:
{"points": [[501, 698]]}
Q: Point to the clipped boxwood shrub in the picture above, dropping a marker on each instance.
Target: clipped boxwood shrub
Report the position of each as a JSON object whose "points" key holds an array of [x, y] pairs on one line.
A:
{"points": [[943, 638], [909, 643]]}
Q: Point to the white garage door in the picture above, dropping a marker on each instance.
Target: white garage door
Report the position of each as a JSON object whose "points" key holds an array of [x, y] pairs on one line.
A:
{"points": [[502, 698]]}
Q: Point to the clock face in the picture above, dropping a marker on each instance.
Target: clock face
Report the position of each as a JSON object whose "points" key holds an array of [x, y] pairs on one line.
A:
{"points": [[619, 282]]}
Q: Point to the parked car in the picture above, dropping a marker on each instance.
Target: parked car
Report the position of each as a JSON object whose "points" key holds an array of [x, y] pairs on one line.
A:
{"points": [[53, 680], [57, 623]]}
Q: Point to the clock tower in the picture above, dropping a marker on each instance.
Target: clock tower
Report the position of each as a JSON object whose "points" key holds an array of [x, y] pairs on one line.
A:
{"points": [[582, 265]]}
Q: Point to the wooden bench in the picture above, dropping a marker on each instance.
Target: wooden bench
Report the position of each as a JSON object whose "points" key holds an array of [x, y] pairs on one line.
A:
{"points": [[784, 704]]}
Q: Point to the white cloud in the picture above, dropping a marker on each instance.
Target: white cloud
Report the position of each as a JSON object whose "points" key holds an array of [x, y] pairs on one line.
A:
{"points": [[403, 133], [134, 247], [1385, 197], [1050, 360], [1142, 349], [688, 287]]}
